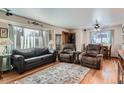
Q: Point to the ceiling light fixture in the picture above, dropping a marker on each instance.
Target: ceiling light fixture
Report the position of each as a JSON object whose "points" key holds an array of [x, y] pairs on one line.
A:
{"points": [[35, 23], [84, 30], [97, 26], [8, 13]]}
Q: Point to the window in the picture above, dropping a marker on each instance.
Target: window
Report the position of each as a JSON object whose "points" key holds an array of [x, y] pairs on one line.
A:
{"points": [[28, 38], [102, 37]]}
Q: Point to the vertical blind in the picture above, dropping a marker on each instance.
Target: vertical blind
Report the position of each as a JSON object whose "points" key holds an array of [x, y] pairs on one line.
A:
{"points": [[24, 38], [101, 37]]}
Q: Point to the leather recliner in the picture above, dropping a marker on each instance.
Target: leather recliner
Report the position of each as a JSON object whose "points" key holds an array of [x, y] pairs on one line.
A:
{"points": [[92, 57], [67, 54]]}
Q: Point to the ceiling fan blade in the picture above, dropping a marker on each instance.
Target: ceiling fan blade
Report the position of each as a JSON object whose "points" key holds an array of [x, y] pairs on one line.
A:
{"points": [[6, 9]]}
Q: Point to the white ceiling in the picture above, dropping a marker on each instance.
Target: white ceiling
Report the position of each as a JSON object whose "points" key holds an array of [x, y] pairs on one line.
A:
{"points": [[73, 17]]}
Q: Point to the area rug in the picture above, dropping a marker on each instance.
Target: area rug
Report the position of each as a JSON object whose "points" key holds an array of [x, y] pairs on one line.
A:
{"points": [[61, 73]]}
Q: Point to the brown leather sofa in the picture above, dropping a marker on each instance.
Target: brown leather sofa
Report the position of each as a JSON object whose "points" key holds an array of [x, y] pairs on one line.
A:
{"points": [[25, 59], [92, 57], [67, 54]]}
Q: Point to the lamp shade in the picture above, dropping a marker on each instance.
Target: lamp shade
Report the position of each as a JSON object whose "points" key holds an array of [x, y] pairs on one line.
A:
{"points": [[5, 41], [51, 45], [51, 42]]}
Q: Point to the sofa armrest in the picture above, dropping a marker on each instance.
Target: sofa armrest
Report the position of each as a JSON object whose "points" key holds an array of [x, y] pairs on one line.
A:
{"points": [[83, 53], [52, 51], [55, 53], [99, 55], [17, 57], [18, 63]]}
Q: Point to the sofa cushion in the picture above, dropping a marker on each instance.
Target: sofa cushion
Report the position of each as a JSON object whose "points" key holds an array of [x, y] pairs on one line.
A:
{"points": [[46, 57], [65, 55], [94, 47], [69, 46], [89, 60], [38, 58], [27, 53], [92, 53], [33, 60], [68, 51], [39, 51]]}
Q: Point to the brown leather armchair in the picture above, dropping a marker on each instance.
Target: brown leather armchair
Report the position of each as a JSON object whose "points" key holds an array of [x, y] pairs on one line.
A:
{"points": [[67, 54], [92, 57]]}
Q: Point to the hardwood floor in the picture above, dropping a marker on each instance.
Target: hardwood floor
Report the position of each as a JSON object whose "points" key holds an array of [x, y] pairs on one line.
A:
{"points": [[106, 75], [9, 77]]}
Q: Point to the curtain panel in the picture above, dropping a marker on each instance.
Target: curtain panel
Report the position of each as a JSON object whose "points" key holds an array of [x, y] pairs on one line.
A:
{"points": [[24, 38]]}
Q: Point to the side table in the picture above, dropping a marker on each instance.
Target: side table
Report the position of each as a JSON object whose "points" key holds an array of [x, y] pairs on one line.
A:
{"points": [[5, 63], [77, 53]]}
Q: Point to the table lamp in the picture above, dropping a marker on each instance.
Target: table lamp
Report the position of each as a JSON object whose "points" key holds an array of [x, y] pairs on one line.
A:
{"points": [[51, 44], [4, 42]]}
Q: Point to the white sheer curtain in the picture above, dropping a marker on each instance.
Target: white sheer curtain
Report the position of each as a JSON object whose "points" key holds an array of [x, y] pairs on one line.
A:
{"points": [[101, 37], [24, 38]]}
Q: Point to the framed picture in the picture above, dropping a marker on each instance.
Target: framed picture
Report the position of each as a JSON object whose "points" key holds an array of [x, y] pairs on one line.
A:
{"points": [[3, 32]]}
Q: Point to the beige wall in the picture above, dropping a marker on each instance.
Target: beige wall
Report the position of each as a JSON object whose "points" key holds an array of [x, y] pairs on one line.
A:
{"points": [[21, 21], [3, 25], [83, 37], [79, 39]]}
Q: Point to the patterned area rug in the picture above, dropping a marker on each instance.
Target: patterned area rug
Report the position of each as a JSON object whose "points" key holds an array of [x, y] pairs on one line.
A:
{"points": [[62, 73]]}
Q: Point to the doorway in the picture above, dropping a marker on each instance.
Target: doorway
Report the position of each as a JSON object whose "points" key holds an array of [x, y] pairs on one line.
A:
{"points": [[68, 38]]}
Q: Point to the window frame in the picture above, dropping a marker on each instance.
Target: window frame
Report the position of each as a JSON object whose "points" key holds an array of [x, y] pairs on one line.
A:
{"points": [[101, 41]]}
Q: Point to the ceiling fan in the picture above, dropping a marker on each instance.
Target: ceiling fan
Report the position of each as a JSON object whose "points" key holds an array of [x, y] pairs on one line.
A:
{"points": [[97, 25], [94, 27], [8, 12]]}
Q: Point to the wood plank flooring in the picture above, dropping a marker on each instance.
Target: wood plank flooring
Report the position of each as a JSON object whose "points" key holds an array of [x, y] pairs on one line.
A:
{"points": [[106, 75]]}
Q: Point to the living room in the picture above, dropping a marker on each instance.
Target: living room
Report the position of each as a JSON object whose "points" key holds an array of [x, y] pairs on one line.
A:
{"points": [[61, 46]]}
